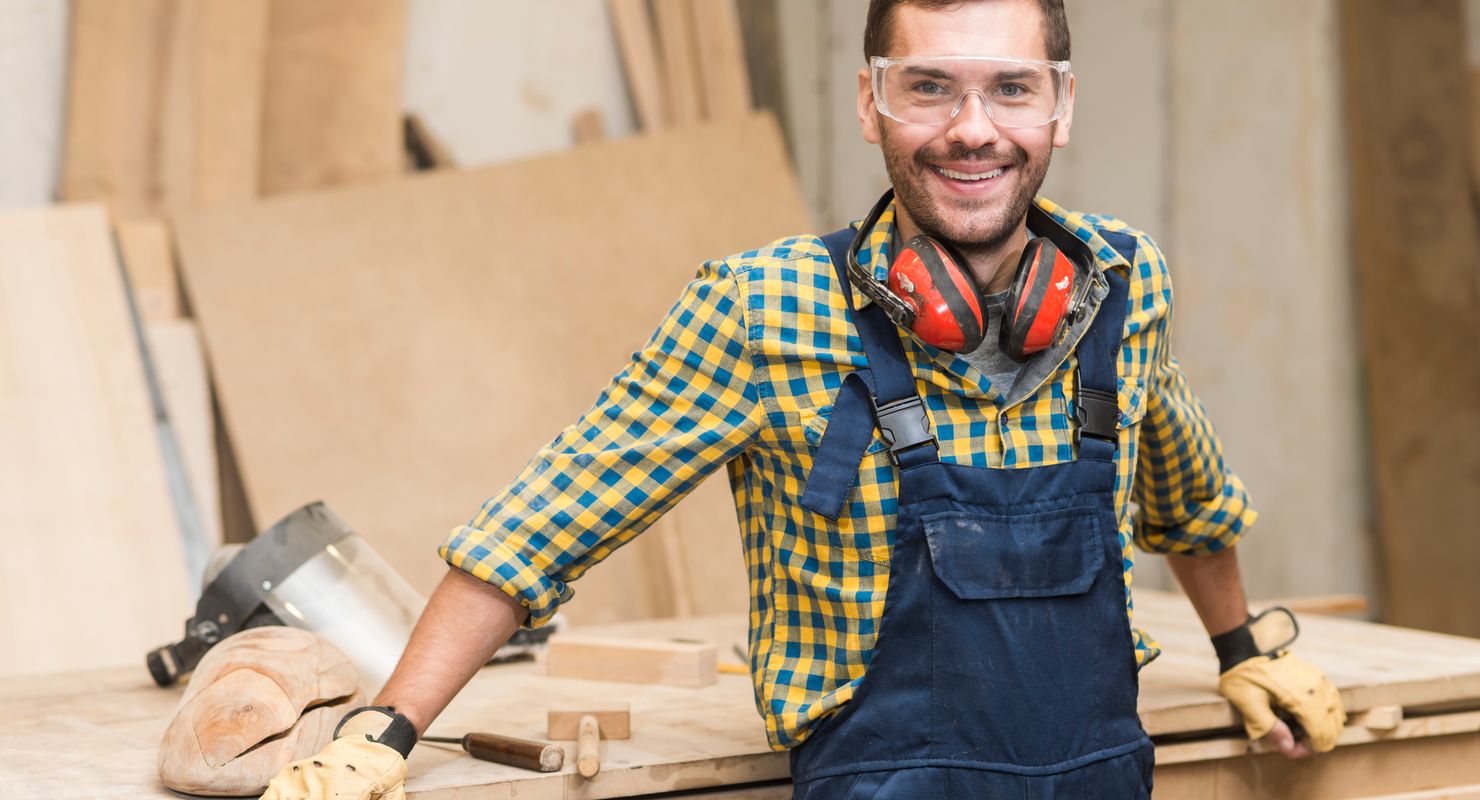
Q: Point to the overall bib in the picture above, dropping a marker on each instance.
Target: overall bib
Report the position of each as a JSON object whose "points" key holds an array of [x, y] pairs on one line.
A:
{"points": [[1004, 665]]}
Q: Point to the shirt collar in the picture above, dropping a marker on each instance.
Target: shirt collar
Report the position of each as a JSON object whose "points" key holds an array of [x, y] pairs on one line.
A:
{"points": [[1067, 228]]}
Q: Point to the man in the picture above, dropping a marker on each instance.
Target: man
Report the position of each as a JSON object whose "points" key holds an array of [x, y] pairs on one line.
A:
{"points": [[932, 537]]}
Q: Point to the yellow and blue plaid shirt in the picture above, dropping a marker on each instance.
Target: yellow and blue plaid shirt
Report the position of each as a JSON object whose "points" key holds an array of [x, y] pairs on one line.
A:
{"points": [[742, 372]]}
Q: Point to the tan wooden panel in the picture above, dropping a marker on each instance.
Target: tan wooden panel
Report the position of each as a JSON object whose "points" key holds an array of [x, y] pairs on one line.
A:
{"points": [[115, 94], [149, 259], [680, 60], [93, 573], [634, 29], [725, 80], [400, 350], [331, 111], [179, 361], [1417, 245]]}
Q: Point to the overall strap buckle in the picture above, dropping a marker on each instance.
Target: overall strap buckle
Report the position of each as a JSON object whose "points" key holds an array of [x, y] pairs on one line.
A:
{"points": [[904, 424], [1096, 413]]}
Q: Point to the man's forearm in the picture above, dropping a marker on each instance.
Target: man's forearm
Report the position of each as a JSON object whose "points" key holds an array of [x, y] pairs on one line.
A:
{"points": [[1213, 585], [464, 624]]}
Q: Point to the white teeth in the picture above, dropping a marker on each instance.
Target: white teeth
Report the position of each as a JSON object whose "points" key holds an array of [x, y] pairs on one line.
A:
{"points": [[970, 176]]}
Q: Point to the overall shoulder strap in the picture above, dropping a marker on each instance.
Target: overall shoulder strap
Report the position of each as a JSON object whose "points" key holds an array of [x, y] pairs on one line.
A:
{"points": [[883, 395], [1096, 400]]}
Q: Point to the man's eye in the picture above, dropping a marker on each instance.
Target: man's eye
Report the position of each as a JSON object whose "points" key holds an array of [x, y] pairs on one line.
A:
{"points": [[929, 88], [1012, 90]]}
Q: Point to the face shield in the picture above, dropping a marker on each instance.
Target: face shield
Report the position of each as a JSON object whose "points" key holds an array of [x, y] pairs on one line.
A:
{"points": [[309, 571]]}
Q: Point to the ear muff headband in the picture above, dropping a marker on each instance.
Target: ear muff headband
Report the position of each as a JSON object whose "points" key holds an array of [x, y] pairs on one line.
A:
{"points": [[932, 293]]}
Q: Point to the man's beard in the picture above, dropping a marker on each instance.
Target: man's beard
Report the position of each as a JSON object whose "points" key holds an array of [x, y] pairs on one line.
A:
{"points": [[972, 228]]}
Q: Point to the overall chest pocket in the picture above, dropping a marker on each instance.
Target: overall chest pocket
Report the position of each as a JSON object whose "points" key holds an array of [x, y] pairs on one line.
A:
{"points": [[987, 557]]}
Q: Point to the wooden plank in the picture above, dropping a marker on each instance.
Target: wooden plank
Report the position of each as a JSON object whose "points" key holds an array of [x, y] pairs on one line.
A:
{"points": [[721, 57], [212, 116], [615, 720], [180, 364], [1416, 248], [149, 259], [1471, 792], [115, 95], [93, 573], [627, 660], [331, 113], [634, 28], [679, 55], [330, 314], [1342, 774]]}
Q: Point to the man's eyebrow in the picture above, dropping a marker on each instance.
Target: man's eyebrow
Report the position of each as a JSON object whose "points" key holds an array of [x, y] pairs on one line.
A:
{"points": [[1017, 75], [915, 70]]}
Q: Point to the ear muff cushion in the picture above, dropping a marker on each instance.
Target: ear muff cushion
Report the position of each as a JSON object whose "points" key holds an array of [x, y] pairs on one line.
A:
{"points": [[1025, 300], [959, 292]]}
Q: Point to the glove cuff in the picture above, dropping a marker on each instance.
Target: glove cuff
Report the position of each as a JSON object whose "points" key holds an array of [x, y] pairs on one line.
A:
{"points": [[382, 725], [1264, 635]]}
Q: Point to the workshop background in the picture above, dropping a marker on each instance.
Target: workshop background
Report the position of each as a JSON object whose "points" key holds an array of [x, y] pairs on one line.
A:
{"points": [[1315, 202]]}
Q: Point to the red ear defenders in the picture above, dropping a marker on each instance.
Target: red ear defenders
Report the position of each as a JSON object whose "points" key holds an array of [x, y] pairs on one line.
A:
{"points": [[932, 293]]}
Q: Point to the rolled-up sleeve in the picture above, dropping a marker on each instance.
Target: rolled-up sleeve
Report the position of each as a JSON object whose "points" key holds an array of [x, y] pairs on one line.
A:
{"points": [[681, 408], [1190, 502]]}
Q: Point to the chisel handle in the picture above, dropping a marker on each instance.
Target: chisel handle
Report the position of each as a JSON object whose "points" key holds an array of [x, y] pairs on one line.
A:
{"points": [[522, 753]]}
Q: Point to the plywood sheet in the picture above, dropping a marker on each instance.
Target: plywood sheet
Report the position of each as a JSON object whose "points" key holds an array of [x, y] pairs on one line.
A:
{"points": [[149, 259], [331, 110], [93, 573], [400, 350], [1418, 289], [179, 361], [115, 98]]}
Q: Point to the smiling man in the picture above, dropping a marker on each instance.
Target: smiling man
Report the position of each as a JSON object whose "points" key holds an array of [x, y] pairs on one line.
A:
{"points": [[937, 424]]}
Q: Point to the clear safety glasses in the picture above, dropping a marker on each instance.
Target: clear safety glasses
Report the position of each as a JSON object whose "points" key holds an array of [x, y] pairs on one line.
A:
{"points": [[931, 90]]}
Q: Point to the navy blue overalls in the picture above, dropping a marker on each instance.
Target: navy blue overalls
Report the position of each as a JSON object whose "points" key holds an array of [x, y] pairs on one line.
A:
{"points": [[1004, 665]]}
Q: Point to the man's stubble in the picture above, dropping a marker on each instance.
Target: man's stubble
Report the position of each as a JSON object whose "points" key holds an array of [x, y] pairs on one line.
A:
{"points": [[972, 230]]}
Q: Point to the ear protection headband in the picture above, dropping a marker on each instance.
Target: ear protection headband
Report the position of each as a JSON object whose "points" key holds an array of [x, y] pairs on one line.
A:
{"points": [[932, 293]]}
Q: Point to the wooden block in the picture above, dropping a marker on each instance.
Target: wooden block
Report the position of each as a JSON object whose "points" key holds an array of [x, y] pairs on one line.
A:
{"points": [[599, 658], [331, 112], [150, 261], [680, 59], [93, 573], [329, 314], [721, 57], [1382, 718], [634, 27], [615, 720]]}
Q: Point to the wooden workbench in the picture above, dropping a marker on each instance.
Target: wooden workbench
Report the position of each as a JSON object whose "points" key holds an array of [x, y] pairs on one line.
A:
{"points": [[93, 735]]}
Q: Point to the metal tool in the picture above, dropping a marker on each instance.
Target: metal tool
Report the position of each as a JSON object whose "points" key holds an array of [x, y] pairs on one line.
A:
{"points": [[522, 753]]}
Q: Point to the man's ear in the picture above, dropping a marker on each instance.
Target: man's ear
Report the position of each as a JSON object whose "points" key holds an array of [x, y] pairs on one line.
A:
{"points": [[867, 117], [1061, 128]]}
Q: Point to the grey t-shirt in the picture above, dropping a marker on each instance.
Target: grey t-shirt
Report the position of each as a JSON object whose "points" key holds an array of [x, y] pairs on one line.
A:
{"points": [[989, 357]]}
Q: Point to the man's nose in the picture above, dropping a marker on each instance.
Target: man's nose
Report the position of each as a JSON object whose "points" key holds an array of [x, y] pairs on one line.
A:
{"points": [[972, 126]]}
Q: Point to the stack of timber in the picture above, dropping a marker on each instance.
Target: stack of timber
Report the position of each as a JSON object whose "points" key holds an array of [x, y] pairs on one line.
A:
{"points": [[93, 572], [401, 349], [685, 60], [1413, 697]]}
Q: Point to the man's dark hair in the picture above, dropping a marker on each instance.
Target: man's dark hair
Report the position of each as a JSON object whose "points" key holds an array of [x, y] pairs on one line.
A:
{"points": [[876, 33]]}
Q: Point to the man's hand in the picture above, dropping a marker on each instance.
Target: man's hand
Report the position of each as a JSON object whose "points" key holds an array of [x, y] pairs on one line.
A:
{"points": [[1258, 685], [366, 761]]}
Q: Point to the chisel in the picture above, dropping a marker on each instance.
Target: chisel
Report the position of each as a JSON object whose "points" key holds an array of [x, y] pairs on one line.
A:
{"points": [[522, 753]]}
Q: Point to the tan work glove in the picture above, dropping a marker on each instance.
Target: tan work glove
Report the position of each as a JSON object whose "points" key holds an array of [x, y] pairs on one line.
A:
{"points": [[355, 766], [1275, 677]]}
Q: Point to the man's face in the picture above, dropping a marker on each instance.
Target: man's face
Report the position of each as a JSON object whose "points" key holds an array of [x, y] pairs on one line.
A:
{"points": [[974, 215]]}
